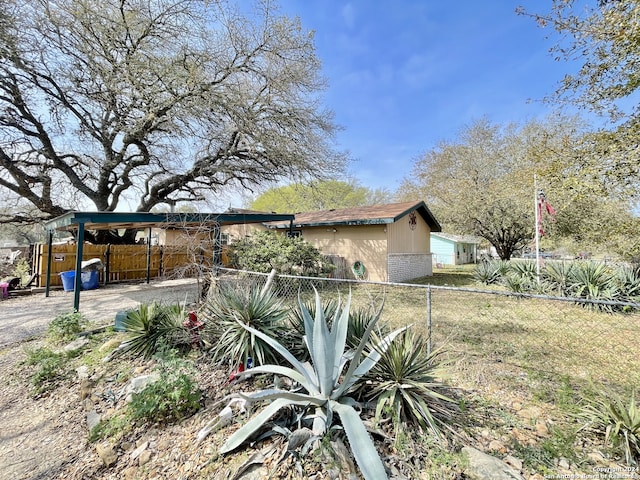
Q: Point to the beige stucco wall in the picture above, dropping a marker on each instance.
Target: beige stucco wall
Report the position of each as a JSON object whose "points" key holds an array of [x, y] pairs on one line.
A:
{"points": [[237, 232], [363, 243], [404, 239]]}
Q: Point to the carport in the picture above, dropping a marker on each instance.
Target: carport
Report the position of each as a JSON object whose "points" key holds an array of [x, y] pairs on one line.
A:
{"points": [[78, 222]]}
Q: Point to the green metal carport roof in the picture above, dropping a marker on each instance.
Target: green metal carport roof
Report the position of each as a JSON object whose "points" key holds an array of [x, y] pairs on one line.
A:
{"points": [[80, 221]]}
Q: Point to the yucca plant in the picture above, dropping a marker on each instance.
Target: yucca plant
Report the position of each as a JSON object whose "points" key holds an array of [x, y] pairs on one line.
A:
{"points": [[618, 422], [153, 326], [593, 281], [408, 381], [516, 283], [324, 384], [558, 275], [226, 311], [628, 281], [527, 270], [489, 272]]}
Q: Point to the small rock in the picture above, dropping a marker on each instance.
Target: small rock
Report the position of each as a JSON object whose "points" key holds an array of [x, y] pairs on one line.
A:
{"points": [[93, 419], [86, 388], [88, 404], [485, 434], [112, 343], [541, 428], [106, 454], [517, 406], [126, 446], [77, 344], [497, 446], [485, 467], [530, 413], [144, 457], [130, 473], [164, 444], [595, 457], [564, 463], [514, 462], [138, 384], [139, 449], [140, 370], [83, 372]]}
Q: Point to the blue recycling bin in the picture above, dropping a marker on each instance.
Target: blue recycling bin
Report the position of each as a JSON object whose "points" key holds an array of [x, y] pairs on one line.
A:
{"points": [[88, 280], [68, 280]]}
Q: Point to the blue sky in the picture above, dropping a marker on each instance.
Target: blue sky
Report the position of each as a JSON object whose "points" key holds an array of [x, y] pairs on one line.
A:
{"points": [[405, 74]]}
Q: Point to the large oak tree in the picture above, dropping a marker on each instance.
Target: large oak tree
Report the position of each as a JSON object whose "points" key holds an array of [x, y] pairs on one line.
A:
{"points": [[153, 101], [482, 183]]}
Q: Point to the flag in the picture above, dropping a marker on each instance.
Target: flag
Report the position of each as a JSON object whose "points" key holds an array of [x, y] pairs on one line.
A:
{"points": [[543, 206]]}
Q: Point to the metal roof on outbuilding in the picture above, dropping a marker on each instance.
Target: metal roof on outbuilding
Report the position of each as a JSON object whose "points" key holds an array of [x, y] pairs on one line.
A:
{"points": [[123, 220]]}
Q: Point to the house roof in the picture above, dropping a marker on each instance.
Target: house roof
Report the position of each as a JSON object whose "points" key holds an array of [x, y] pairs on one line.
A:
{"points": [[458, 238], [371, 215]]}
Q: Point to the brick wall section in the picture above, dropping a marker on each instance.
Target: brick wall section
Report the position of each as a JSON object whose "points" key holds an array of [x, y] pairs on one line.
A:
{"points": [[407, 266]]}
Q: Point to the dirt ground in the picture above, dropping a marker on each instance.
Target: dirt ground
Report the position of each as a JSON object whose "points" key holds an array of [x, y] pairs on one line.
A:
{"points": [[37, 438]]}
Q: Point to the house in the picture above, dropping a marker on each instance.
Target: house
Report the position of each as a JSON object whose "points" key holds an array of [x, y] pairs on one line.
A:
{"points": [[449, 249], [388, 243]]}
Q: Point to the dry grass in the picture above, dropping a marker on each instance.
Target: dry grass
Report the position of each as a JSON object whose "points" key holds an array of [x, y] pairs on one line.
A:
{"points": [[559, 340]]}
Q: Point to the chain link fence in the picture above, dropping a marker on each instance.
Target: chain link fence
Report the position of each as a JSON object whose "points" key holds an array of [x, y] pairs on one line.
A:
{"points": [[494, 338]]}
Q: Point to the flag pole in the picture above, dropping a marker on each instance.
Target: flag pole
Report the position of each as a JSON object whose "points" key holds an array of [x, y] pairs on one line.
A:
{"points": [[537, 226]]}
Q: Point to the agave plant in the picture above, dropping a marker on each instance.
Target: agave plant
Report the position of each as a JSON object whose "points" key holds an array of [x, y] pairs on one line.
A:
{"points": [[153, 326], [618, 422], [359, 320], [325, 386], [293, 338], [408, 381], [225, 313]]}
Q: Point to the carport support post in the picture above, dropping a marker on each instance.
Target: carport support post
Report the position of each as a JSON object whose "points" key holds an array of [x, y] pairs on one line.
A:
{"points": [[149, 255], [78, 279], [47, 286]]}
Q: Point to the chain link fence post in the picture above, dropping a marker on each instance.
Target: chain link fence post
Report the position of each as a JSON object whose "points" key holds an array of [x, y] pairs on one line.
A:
{"points": [[429, 320]]}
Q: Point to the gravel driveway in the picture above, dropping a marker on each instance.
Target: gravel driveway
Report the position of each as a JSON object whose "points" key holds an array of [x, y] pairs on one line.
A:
{"points": [[26, 316]]}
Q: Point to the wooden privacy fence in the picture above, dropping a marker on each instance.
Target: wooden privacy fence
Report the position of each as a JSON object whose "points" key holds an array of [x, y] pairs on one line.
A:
{"points": [[125, 262]]}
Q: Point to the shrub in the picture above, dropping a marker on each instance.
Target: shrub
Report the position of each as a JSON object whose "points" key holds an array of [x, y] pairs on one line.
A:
{"points": [[152, 327], [265, 251], [174, 396], [628, 281], [51, 368], [65, 327]]}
